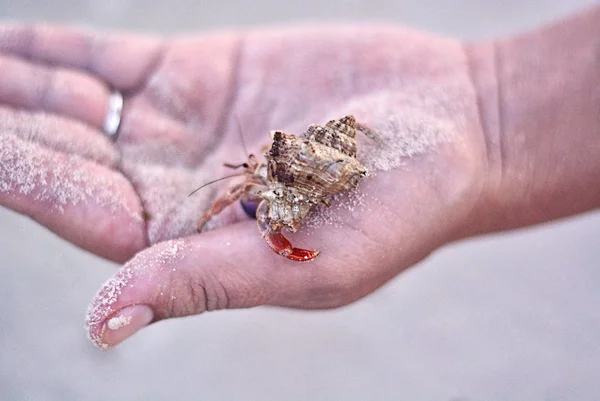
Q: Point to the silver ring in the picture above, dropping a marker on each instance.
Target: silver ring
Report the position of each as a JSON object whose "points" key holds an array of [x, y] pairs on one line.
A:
{"points": [[113, 115]]}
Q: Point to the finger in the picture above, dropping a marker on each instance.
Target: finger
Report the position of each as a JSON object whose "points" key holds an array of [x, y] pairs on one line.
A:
{"points": [[121, 60], [148, 136], [231, 268], [187, 98], [58, 133], [56, 90], [82, 201]]}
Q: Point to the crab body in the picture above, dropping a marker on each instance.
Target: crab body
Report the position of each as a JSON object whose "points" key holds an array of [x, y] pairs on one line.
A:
{"points": [[299, 172]]}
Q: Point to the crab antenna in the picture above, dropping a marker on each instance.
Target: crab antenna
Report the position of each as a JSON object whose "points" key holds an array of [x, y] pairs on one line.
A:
{"points": [[213, 181], [239, 129]]}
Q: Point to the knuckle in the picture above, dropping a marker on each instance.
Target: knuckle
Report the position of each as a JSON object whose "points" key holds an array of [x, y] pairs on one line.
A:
{"points": [[197, 294], [216, 294]]}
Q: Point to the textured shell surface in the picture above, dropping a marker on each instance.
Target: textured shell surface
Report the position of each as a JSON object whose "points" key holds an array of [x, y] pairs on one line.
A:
{"points": [[319, 163], [306, 170]]}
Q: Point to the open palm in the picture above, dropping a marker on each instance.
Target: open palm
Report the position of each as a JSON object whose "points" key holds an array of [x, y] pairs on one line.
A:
{"points": [[186, 101]]}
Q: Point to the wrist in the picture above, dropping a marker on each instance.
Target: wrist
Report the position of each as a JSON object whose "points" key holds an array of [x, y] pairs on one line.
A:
{"points": [[539, 97]]}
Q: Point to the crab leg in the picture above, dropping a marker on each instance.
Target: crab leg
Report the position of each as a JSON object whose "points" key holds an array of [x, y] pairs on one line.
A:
{"points": [[234, 194], [277, 241]]}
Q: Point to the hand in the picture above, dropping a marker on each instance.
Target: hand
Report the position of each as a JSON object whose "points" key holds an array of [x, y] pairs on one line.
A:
{"points": [[182, 100]]}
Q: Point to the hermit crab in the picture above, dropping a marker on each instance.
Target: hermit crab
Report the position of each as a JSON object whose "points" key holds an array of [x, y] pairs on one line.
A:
{"points": [[299, 172]]}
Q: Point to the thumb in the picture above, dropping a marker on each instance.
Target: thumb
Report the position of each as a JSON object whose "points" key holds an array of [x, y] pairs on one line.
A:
{"points": [[228, 268], [177, 278]]}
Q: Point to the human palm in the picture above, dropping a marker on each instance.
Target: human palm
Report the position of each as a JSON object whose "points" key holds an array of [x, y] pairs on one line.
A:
{"points": [[188, 103]]}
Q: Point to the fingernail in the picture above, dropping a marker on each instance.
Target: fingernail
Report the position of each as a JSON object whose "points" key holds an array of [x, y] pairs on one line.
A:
{"points": [[125, 323]]}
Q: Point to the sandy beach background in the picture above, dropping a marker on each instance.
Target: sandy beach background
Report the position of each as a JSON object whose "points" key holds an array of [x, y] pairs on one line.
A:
{"points": [[507, 317]]}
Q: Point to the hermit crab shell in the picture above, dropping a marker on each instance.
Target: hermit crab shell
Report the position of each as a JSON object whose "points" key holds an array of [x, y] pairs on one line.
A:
{"points": [[319, 163]]}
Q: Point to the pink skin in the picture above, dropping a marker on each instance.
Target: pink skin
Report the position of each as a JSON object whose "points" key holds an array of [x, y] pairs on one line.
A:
{"points": [[184, 92]]}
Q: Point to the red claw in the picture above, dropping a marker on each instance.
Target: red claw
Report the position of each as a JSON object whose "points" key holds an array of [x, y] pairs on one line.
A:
{"points": [[283, 247], [277, 242], [302, 255]]}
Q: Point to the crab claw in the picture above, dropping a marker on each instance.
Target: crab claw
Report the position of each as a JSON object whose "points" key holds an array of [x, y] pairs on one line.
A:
{"points": [[283, 247], [277, 242]]}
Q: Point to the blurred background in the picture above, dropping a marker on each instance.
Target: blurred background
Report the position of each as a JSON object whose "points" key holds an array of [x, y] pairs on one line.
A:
{"points": [[507, 317]]}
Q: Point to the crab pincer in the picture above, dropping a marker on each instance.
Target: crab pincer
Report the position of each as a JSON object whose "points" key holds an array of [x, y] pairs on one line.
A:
{"points": [[277, 241], [283, 247]]}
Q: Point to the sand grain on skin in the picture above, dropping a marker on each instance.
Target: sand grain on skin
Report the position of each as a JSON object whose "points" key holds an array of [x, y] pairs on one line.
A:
{"points": [[59, 133], [411, 123], [164, 191], [58, 179], [142, 264]]}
